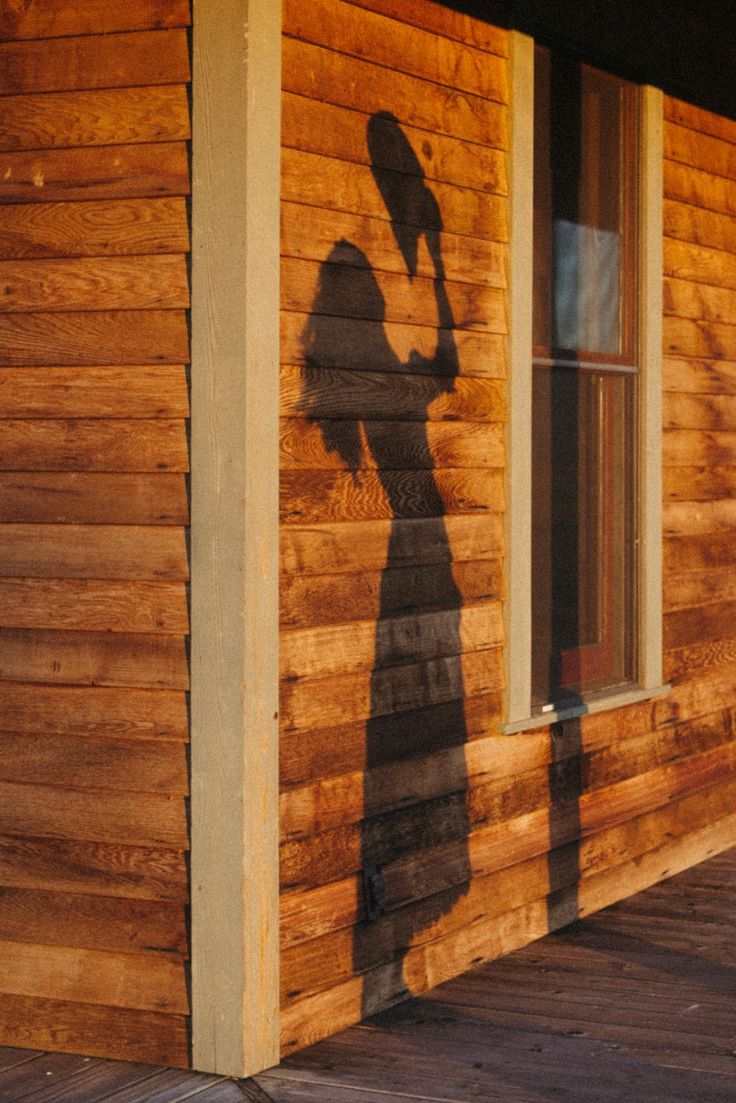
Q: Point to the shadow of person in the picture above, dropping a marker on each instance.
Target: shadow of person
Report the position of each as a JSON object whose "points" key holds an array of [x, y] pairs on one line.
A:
{"points": [[416, 706]]}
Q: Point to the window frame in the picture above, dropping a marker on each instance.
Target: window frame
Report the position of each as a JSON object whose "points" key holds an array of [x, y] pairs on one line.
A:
{"points": [[649, 310]]}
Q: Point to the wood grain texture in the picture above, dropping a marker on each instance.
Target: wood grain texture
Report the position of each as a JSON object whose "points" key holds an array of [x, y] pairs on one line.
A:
{"points": [[338, 185], [144, 819], [93, 551], [91, 923], [436, 18], [339, 132], [699, 264], [137, 283], [133, 391], [93, 658], [699, 227], [108, 172], [352, 546], [403, 300], [71, 498], [94, 338], [693, 376], [698, 188], [93, 228], [374, 37], [684, 484], [93, 444], [362, 85], [100, 713], [107, 606], [311, 232], [122, 871], [351, 344], [700, 151], [112, 117], [152, 1037], [40, 19], [699, 120], [94, 61], [314, 599], [82, 762]]}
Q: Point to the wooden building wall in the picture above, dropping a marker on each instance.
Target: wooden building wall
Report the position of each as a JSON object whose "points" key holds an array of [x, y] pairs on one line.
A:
{"points": [[94, 121], [392, 462]]}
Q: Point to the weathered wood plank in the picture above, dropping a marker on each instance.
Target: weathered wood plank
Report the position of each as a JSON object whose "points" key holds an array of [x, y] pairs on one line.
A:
{"points": [[93, 551], [343, 186], [40, 19], [699, 227], [339, 904], [425, 967], [314, 496], [112, 117], [678, 662], [686, 484], [700, 151], [369, 35], [334, 751], [93, 658], [705, 622], [354, 546], [103, 444], [691, 518], [333, 131], [440, 20], [147, 169], [698, 188], [353, 344], [685, 337], [136, 283], [100, 712], [83, 762], [95, 61], [152, 1037], [695, 447], [325, 75], [699, 376], [116, 870], [690, 553], [688, 588], [697, 264], [107, 606], [94, 338], [716, 412], [133, 391], [344, 850], [347, 648], [699, 120], [112, 227], [401, 298], [145, 819], [311, 232], [333, 599], [327, 393], [401, 445], [70, 498], [325, 702]]}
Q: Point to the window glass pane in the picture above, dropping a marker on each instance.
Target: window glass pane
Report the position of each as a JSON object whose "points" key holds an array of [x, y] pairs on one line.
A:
{"points": [[583, 263], [582, 531]]}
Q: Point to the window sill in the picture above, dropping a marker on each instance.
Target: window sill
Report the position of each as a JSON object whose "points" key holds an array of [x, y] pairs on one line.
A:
{"points": [[631, 696]]}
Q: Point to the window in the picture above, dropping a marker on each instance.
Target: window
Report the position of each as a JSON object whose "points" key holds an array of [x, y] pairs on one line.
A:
{"points": [[584, 531]]}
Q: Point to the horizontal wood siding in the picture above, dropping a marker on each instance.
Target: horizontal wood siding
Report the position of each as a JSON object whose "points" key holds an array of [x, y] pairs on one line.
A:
{"points": [[93, 509], [391, 756]]}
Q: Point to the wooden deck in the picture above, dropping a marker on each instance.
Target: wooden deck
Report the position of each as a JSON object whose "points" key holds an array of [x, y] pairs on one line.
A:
{"points": [[637, 1002]]}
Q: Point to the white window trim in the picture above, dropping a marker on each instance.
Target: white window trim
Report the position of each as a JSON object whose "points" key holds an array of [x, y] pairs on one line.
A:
{"points": [[518, 440]]}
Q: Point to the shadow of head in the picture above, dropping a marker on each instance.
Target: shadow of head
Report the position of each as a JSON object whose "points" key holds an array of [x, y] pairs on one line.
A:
{"points": [[399, 177]]}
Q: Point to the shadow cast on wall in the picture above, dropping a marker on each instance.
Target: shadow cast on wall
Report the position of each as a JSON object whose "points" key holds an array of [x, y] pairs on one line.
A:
{"points": [[348, 290]]}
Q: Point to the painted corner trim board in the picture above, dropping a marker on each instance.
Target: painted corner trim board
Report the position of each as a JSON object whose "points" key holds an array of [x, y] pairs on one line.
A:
{"points": [[234, 550]]}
